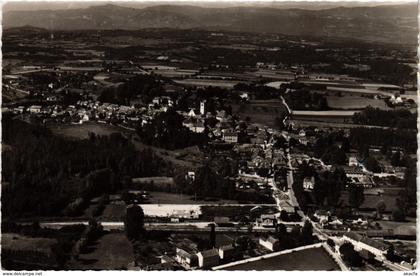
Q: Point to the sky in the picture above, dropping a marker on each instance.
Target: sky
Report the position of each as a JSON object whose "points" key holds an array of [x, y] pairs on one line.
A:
{"points": [[65, 4]]}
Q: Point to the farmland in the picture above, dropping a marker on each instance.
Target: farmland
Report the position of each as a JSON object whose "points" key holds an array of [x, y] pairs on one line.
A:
{"points": [[354, 102], [205, 83]]}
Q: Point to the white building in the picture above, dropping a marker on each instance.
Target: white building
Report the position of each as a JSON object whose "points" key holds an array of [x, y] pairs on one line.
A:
{"points": [[270, 243], [203, 107]]}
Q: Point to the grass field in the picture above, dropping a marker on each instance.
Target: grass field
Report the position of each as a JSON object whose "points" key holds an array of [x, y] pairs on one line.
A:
{"points": [[355, 102], [111, 252], [308, 259], [82, 131]]}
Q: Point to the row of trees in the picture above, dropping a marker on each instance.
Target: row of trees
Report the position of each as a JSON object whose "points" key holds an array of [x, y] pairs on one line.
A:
{"points": [[362, 137]]}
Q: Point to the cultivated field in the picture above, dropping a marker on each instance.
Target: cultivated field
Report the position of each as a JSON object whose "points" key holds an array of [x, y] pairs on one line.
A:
{"points": [[355, 102]]}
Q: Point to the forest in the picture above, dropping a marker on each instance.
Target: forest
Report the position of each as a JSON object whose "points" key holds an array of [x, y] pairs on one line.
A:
{"points": [[68, 172], [387, 118]]}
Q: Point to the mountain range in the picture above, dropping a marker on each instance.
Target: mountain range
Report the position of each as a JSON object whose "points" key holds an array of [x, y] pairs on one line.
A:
{"points": [[386, 23]]}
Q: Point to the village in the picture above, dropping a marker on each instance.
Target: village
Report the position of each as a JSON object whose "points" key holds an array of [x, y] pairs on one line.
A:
{"points": [[265, 163]]}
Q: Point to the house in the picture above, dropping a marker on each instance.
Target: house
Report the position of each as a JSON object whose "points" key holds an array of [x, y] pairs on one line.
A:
{"points": [[308, 183], [226, 252], [186, 258], [34, 109], [270, 243], [194, 125], [322, 216], [230, 137], [192, 113], [353, 161], [353, 171], [208, 258], [19, 110], [190, 175], [302, 133], [360, 242], [266, 220]]}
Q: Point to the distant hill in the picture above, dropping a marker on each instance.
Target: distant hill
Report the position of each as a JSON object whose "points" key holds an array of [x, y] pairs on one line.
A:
{"points": [[391, 23]]}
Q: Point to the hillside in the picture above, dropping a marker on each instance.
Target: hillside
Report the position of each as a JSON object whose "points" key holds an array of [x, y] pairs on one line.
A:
{"points": [[394, 24]]}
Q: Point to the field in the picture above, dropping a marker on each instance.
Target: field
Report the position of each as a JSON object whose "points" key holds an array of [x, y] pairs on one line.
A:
{"points": [[261, 112], [202, 82], [308, 259], [111, 252], [355, 102], [170, 198], [82, 131], [371, 201]]}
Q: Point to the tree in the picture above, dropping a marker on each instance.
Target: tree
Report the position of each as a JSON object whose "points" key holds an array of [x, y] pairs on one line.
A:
{"points": [[372, 164], [281, 230], [350, 255], [356, 196], [134, 222], [307, 232], [396, 159], [331, 243], [284, 216], [398, 215], [380, 207]]}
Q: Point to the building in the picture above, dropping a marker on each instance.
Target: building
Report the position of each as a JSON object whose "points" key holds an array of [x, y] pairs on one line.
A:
{"points": [[203, 107], [208, 258], [186, 258], [226, 252], [34, 109], [353, 171], [230, 137], [266, 220], [322, 216], [353, 161], [360, 242], [270, 243], [308, 183]]}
